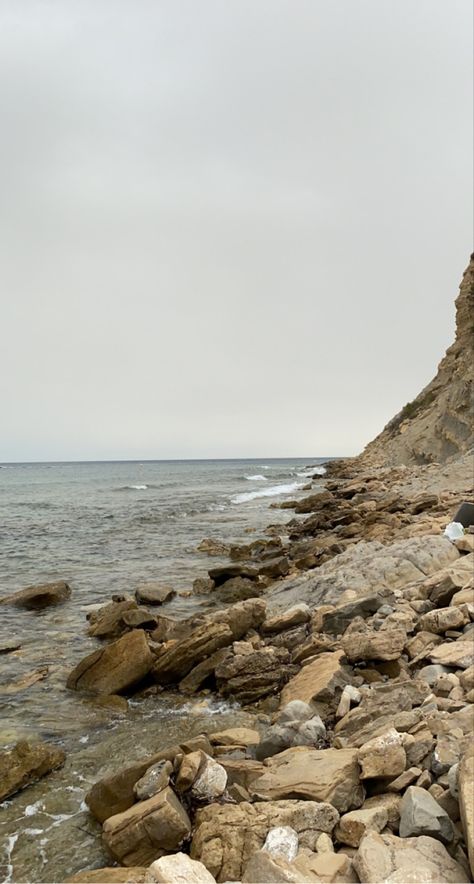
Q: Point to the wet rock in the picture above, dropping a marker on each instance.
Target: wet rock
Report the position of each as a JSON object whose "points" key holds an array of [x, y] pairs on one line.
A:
{"points": [[354, 825], [115, 668], [319, 774], [282, 841], [37, 597], [249, 677], [195, 679], [383, 756], [420, 814], [225, 572], [176, 661], [466, 801], [113, 794], [213, 547], [153, 780], [107, 622], [405, 860], [178, 869], [147, 830], [154, 593], [139, 619], [292, 617], [371, 645], [26, 763], [109, 875], [459, 654], [203, 585], [321, 681], [226, 836], [7, 647]]}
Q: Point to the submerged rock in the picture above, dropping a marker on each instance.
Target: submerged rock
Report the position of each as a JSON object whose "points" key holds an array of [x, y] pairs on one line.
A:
{"points": [[26, 763]]}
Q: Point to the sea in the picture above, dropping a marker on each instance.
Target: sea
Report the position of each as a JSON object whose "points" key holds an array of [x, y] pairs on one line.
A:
{"points": [[106, 528]]}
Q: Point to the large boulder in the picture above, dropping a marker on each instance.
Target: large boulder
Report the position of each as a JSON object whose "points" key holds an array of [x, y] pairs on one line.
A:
{"points": [[420, 814], [37, 597], [147, 830], [316, 774], [174, 663], [115, 668], [26, 763], [227, 836], [405, 860], [321, 681], [384, 644]]}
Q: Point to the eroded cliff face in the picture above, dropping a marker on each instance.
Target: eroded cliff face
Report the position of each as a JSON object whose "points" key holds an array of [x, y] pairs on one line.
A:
{"points": [[438, 425]]}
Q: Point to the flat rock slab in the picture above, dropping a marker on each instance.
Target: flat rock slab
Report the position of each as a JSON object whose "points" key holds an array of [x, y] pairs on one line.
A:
{"points": [[406, 861], [177, 661], [115, 668], [319, 774], [459, 654], [26, 763], [154, 594], [319, 680], [147, 830], [37, 597]]}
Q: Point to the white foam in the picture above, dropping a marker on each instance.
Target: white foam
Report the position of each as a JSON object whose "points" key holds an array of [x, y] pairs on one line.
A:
{"points": [[257, 478], [273, 491], [137, 487], [31, 809]]}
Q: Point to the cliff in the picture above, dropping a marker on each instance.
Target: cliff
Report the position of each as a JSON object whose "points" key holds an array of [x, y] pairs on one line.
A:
{"points": [[438, 425]]}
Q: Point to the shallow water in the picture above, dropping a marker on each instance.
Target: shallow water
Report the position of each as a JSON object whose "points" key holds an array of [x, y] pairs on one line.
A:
{"points": [[106, 528]]}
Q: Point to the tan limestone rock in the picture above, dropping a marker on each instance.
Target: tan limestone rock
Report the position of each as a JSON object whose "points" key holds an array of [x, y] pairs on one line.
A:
{"points": [[406, 861], [147, 830], [320, 681], [466, 801], [26, 763], [115, 668], [372, 645], [383, 756], [178, 868], [459, 654], [352, 827]]}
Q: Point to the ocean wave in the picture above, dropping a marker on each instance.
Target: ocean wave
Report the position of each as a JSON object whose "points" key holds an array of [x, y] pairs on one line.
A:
{"points": [[273, 491], [132, 488], [256, 478]]}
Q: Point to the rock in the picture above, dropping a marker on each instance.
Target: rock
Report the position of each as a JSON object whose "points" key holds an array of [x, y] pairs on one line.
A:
{"points": [[115, 668], [26, 763], [7, 647], [139, 619], [37, 597], [321, 681], [226, 572], [114, 793], [383, 756], [112, 875], [235, 736], [203, 585], [147, 830], [242, 771], [381, 645], [465, 544], [420, 814], [293, 733], [249, 677], [327, 867], [421, 644], [107, 620], [274, 568], [213, 547], [210, 782], [382, 705], [188, 770], [154, 593], [310, 732], [400, 783], [153, 780], [441, 620], [226, 836], [282, 841], [236, 589], [292, 617], [349, 695], [178, 869], [405, 860], [336, 622], [431, 673], [178, 660], [296, 710], [466, 679], [262, 868], [390, 802], [459, 654], [241, 617], [319, 774], [466, 801], [353, 826]]}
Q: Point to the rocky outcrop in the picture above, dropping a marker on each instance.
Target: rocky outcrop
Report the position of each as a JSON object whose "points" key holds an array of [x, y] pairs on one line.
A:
{"points": [[438, 424], [36, 597]]}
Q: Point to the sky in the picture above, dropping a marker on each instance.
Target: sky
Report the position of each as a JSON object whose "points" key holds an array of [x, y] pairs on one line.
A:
{"points": [[228, 228]]}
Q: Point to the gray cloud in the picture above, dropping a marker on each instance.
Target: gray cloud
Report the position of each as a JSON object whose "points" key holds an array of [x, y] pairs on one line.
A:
{"points": [[227, 229]]}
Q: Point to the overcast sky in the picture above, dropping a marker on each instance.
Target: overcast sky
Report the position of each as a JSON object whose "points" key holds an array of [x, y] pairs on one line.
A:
{"points": [[227, 227]]}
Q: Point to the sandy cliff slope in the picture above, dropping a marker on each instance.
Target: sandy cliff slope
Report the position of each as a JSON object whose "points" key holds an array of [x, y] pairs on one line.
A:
{"points": [[438, 425]]}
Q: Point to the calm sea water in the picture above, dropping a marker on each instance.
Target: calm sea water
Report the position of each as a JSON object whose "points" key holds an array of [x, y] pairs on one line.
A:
{"points": [[105, 528]]}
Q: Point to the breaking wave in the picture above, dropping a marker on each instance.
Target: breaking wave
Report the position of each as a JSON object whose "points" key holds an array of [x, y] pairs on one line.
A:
{"points": [[256, 478], [273, 491]]}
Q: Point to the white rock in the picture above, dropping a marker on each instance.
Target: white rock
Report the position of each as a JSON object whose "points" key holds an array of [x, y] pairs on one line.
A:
{"points": [[178, 869], [282, 841], [211, 781]]}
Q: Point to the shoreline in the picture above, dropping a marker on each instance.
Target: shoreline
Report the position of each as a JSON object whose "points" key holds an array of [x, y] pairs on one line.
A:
{"points": [[324, 540]]}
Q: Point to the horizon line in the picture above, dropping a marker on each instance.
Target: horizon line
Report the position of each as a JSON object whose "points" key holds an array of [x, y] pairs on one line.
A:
{"points": [[172, 459]]}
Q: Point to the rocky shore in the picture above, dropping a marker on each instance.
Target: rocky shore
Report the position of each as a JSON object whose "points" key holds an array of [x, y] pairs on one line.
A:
{"points": [[347, 634]]}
